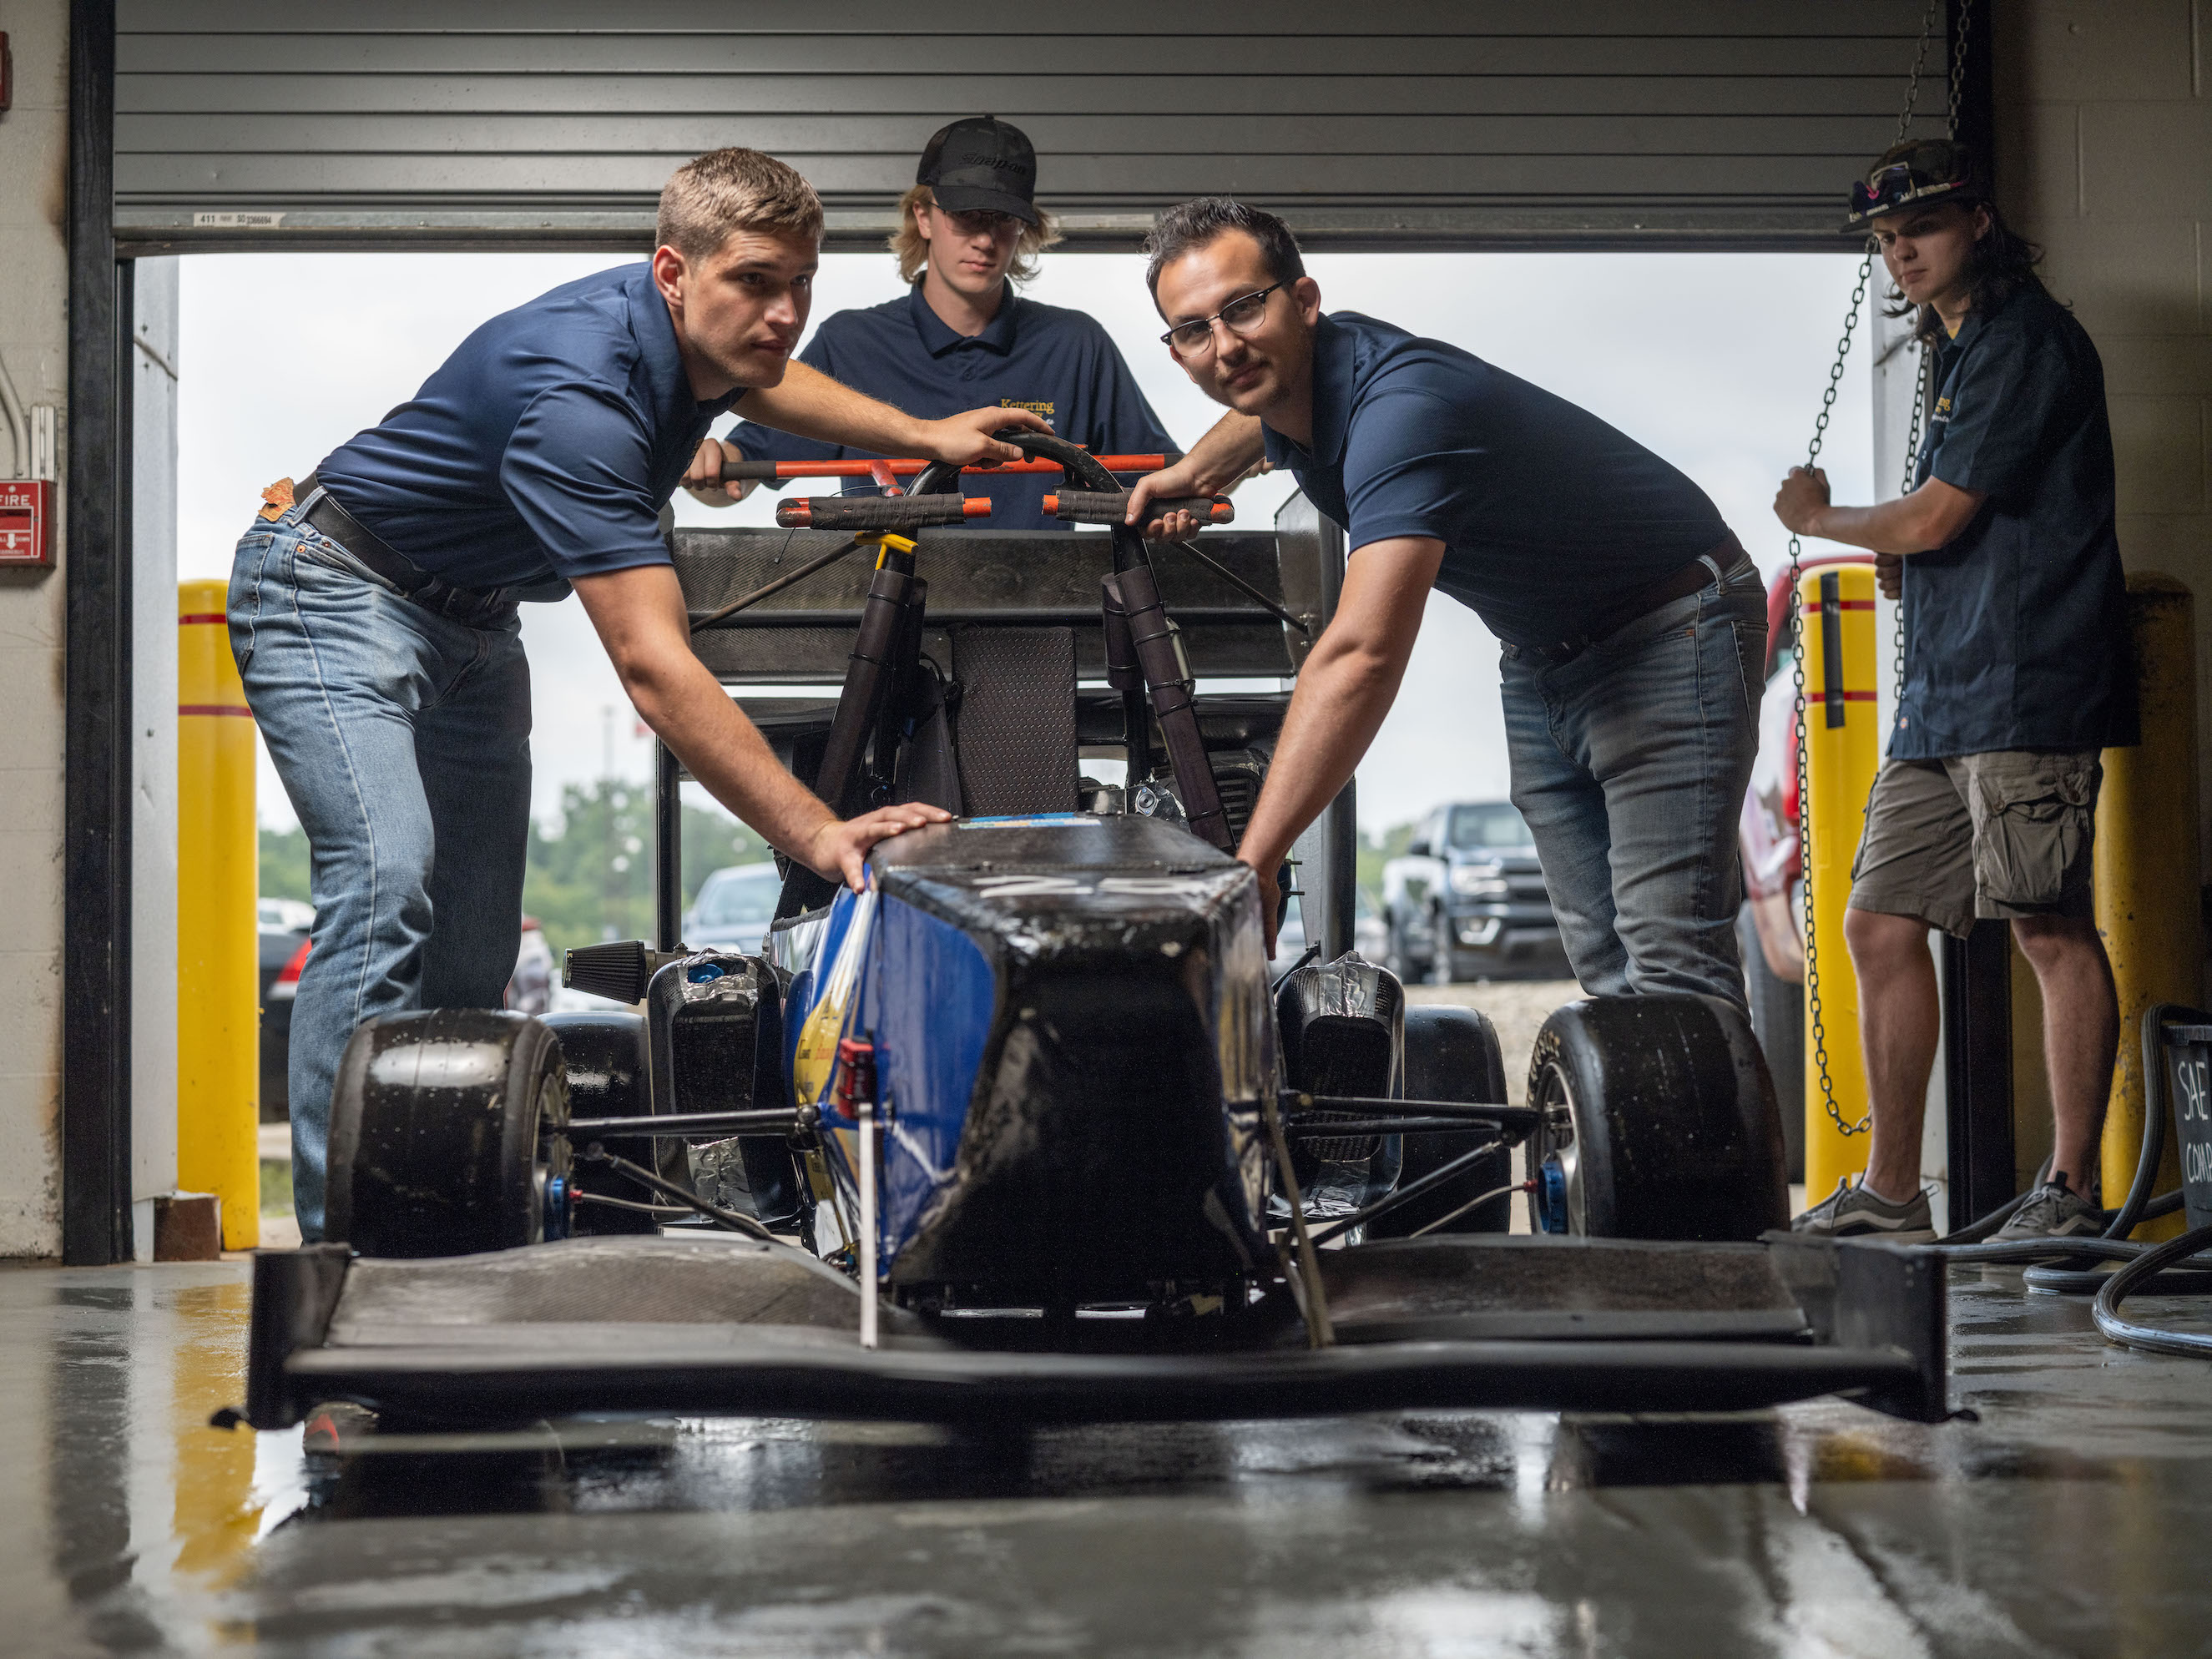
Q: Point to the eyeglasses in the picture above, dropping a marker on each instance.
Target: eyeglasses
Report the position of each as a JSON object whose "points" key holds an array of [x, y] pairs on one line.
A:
{"points": [[1932, 169], [1243, 316]]}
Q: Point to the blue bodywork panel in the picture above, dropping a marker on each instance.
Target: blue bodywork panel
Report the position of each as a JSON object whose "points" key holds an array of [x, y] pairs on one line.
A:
{"points": [[1110, 933]]}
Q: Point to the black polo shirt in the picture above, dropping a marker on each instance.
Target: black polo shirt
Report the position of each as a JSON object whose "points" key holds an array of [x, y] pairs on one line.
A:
{"points": [[1060, 363], [2017, 633], [1547, 515]]}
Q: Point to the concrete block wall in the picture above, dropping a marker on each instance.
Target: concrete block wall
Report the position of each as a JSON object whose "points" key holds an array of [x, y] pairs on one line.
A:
{"points": [[2105, 157], [33, 344]]}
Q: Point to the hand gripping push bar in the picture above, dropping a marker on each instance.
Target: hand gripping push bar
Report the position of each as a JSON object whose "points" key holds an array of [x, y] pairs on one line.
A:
{"points": [[1108, 507]]}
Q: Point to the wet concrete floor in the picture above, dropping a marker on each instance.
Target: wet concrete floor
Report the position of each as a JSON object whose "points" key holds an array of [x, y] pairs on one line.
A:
{"points": [[2071, 1519]]}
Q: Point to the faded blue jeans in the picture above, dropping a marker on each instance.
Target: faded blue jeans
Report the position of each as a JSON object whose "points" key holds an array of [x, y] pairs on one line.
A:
{"points": [[403, 740], [1630, 762]]}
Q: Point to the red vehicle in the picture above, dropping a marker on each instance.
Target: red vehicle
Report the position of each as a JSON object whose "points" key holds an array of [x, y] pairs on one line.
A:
{"points": [[1770, 926]]}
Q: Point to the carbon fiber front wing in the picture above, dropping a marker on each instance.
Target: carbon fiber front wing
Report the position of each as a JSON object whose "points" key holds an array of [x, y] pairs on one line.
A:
{"points": [[723, 1325]]}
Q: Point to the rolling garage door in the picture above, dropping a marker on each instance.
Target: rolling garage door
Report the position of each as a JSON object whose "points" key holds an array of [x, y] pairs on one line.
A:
{"points": [[1394, 123]]}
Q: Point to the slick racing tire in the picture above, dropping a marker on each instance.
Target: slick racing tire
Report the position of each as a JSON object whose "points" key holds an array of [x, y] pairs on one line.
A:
{"points": [[1659, 1122], [1451, 1054], [435, 1147], [604, 1049]]}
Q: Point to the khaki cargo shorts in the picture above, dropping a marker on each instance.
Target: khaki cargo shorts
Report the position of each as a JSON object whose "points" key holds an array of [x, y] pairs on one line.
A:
{"points": [[2001, 834]]}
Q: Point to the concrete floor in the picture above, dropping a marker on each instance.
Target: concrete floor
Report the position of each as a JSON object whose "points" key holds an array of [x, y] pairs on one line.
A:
{"points": [[2071, 1519]]}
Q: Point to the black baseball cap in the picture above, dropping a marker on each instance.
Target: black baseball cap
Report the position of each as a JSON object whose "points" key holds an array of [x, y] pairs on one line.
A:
{"points": [[981, 165]]}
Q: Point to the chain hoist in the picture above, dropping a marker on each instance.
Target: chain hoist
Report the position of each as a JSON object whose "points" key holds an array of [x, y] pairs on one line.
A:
{"points": [[1819, 1029]]}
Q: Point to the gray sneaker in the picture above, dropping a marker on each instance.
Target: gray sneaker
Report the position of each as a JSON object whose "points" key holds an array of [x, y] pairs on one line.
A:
{"points": [[2055, 1211], [1854, 1212]]}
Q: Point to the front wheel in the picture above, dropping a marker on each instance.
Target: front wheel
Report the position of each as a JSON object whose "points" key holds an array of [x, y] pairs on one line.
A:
{"points": [[1452, 1054], [1658, 1121], [434, 1145]]}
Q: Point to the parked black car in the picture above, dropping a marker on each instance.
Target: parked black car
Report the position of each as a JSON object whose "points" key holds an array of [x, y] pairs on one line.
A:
{"points": [[285, 945], [284, 924], [1467, 900]]}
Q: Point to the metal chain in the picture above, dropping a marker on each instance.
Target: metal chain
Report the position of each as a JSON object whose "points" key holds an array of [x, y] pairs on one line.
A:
{"points": [[1958, 66], [1796, 556], [1797, 681], [1919, 62]]}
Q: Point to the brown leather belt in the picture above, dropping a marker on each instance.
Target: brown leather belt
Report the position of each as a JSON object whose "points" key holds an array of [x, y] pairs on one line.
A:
{"points": [[1699, 573], [477, 607]]}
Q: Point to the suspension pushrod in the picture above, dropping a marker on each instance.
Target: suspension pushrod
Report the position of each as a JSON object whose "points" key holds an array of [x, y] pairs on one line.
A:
{"points": [[1510, 1121], [1409, 1192], [1330, 1129], [767, 1119]]}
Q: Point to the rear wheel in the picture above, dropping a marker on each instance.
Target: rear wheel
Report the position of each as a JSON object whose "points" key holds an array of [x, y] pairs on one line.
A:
{"points": [[435, 1147], [1659, 1122], [1451, 1054]]}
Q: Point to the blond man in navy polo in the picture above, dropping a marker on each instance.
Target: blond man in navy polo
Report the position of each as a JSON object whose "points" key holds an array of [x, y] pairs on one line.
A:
{"points": [[962, 337]]}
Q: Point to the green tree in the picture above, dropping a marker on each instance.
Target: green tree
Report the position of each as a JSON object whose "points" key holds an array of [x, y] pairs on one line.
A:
{"points": [[1374, 851], [284, 864], [589, 875]]}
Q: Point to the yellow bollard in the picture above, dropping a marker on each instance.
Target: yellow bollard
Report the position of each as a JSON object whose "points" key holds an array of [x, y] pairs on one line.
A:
{"points": [[218, 937], [1842, 739], [2146, 871]]}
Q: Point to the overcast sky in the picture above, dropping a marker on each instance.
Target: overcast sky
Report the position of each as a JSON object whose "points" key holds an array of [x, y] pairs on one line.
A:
{"points": [[1716, 361]]}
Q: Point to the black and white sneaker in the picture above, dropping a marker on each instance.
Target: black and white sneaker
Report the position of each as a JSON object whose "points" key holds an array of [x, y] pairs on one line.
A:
{"points": [[2055, 1211], [1854, 1212]]}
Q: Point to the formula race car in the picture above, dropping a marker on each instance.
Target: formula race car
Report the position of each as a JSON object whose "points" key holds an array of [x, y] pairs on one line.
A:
{"points": [[1023, 1130]]}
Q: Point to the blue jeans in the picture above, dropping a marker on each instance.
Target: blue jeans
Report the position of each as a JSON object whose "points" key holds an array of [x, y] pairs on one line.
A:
{"points": [[1630, 762], [403, 740]]}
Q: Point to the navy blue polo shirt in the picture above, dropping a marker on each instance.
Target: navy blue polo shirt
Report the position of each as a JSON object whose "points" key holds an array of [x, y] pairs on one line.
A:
{"points": [[545, 446], [1547, 515], [1060, 363], [2017, 633]]}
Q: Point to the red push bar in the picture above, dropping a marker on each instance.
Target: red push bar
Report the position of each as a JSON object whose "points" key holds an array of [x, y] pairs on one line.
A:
{"points": [[734, 472]]}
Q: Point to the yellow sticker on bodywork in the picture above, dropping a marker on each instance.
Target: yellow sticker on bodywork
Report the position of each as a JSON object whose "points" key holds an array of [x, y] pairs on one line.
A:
{"points": [[816, 1060]]}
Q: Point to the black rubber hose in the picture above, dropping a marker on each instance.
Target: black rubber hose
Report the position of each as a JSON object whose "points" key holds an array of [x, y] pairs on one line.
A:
{"points": [[2080, 1247], [1975, 1232], [2139, 1205], [2153, 1134], [2146, 1268]]}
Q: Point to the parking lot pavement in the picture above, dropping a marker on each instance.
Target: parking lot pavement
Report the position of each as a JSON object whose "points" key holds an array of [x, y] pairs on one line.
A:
{"points": [[1517, 1007]]}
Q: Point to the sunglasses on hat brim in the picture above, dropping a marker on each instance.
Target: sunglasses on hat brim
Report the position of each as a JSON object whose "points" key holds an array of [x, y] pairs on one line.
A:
{"points": [[1928, 174]]}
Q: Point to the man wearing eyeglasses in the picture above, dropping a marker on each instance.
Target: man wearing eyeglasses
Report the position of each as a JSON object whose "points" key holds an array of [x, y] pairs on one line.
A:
{"points": [[1634, 627], [2016, 675], [969, 232]]}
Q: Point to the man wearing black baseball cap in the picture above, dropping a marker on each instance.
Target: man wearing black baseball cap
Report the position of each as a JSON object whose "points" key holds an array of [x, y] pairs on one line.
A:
{"points": [[2016, 674], [969, 231]]}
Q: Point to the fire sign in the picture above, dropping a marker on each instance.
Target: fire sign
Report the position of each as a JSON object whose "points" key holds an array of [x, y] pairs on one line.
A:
{"points": [[26, 524]]}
